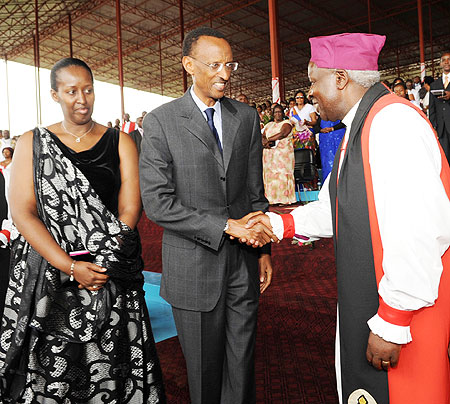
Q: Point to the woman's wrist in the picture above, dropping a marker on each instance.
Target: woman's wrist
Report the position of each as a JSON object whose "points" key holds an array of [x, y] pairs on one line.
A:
{"points": [[62, 261]]}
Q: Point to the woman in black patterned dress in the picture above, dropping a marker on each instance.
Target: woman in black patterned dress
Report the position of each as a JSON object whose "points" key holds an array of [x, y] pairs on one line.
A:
{"points": [[76, 327]]}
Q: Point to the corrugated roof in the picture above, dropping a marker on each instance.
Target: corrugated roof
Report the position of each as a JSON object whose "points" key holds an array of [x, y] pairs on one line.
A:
{"points": [[148, 25]]}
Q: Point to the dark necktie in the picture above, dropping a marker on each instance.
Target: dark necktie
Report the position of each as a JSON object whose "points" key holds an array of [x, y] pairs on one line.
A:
{"points": [[210, 113]]}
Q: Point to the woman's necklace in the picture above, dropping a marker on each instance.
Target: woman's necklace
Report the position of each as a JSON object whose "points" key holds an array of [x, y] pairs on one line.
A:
{"points": [[78, 138]]}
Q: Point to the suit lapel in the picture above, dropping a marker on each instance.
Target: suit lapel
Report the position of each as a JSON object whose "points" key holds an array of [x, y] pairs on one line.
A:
{"points": [[230, 126], [196, 124]]}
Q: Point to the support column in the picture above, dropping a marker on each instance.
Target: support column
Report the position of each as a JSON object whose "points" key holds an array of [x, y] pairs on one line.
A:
{"points": [[37, 64], [161, 68], [180, 5], [282, 78], [422, 50], [274, 50], [7, 93], [369, 19], [119, 52], [70, 37], [431, 39]]}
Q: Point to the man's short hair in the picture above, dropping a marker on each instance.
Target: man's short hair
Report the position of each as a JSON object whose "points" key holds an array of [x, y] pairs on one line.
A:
{"points": [[365, 78], [428, 80], [192, 37]]}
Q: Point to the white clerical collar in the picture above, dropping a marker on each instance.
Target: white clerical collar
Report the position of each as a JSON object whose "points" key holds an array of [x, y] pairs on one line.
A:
{"points": [[348, 119], [201, 105]]}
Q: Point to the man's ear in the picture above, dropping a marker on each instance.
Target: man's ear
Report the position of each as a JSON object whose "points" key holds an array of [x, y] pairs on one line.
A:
{"points": [[54, 95], [342, 79], [188, 65]]}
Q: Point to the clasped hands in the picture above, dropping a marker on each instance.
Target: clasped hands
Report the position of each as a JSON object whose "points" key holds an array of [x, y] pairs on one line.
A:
{"points": [[89, 275], [253, 229]]}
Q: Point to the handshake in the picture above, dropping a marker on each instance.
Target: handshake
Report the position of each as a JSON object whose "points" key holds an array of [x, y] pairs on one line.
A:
{"points": [[253, 229]]}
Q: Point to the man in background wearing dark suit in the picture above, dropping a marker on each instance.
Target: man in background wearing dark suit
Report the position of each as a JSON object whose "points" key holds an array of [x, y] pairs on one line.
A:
{"points": [[439, 110], [201, 174], [137, 134]]}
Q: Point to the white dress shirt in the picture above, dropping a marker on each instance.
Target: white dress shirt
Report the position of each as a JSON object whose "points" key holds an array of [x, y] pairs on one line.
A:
{"points": [[412, 207], [217, 117]]}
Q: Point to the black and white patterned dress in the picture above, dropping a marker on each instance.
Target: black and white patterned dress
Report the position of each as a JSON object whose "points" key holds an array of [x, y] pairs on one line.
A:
{"points": [[60, 344]]}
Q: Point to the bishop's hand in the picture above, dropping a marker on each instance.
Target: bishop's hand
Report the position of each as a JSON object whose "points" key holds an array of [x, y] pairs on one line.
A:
{"points": [[382, 354]]}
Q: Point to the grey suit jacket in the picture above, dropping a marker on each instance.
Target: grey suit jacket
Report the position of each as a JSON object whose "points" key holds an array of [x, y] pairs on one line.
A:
{"points": [[191, 190], [439, 110]]}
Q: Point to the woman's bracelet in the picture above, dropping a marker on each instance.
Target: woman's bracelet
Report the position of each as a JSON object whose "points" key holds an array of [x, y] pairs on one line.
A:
{"points": [[72, 267]]}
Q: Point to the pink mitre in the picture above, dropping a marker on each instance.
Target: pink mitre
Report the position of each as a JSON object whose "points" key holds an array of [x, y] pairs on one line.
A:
{"points": [[350, 51]]}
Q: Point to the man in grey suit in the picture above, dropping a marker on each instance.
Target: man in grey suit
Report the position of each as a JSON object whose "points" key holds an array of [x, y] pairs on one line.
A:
{"points": [[201, 174], [439, 109]]}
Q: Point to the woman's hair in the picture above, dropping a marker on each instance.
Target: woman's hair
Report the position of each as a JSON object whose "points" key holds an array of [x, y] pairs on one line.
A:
{"points": [[11, 150], [62, 64], [397, 80], [400, 84]]}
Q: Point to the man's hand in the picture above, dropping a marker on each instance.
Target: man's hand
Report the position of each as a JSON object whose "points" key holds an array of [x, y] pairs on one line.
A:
{"points": [[445, 97], [256, 220], [258, 217], [382, 354], [256, 236], [265, 272]]}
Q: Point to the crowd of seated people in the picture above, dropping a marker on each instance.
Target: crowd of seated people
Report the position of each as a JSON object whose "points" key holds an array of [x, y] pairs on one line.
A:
{"points": [[308, 130]]}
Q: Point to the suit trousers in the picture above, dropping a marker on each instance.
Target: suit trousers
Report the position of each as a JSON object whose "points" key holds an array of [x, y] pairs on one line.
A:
{"points": [[219, 345], [444, 140]]}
